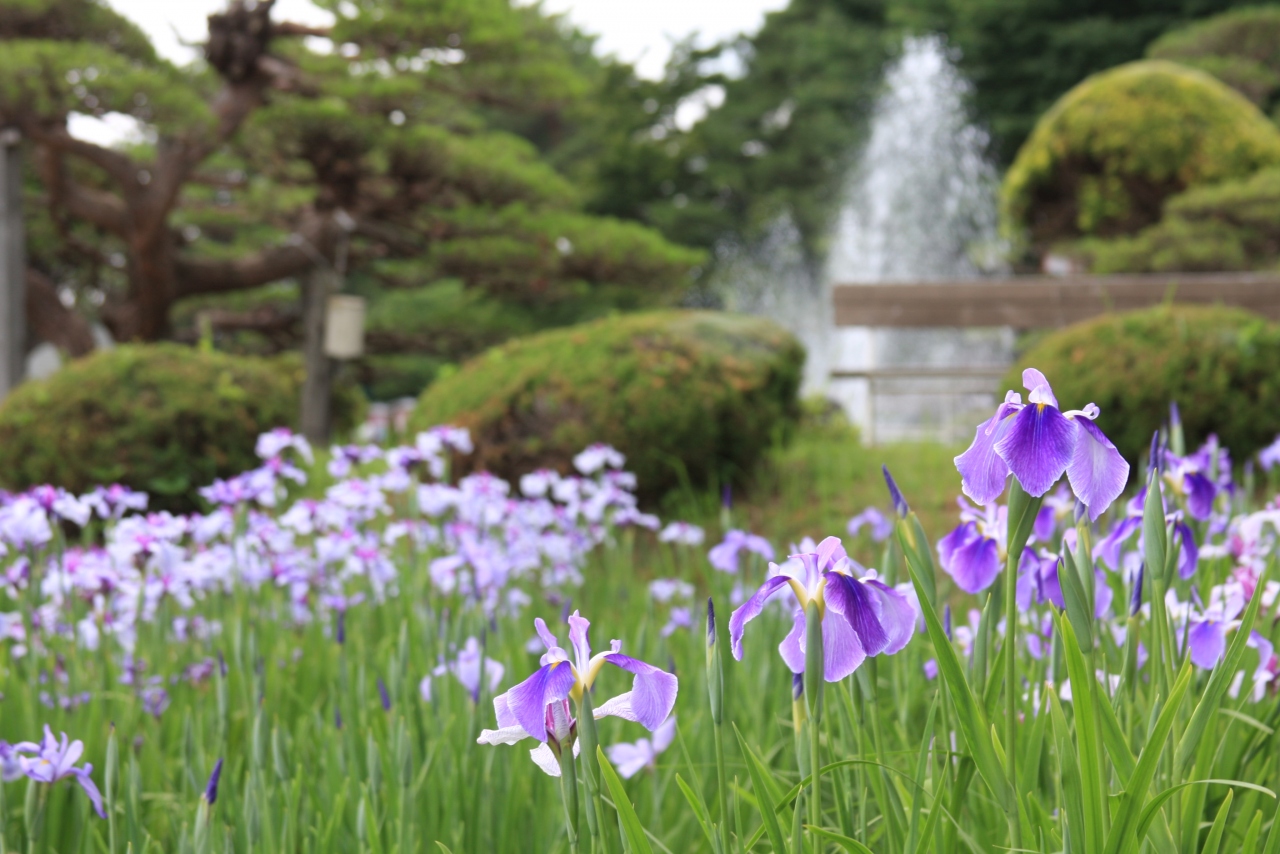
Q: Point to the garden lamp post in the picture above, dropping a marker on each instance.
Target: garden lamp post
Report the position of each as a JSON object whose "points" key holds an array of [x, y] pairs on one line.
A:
{"points": [[333, 329], [13, 265]]}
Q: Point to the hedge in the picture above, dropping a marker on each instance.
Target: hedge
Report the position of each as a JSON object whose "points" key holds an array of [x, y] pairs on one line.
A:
{"points": [[1221, 365], [1103, 160], [163, 418], [696, 395]]}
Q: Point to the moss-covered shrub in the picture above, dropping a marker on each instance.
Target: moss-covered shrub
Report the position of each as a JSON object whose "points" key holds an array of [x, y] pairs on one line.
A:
{"points": [[1103, 160], [1234, 225], [1221, 365], [1240, 47], [680, 393], [162, 418]]}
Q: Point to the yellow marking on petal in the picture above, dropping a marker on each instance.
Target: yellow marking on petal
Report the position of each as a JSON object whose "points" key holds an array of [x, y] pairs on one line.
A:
{"points": [[798, 589], [576, 691], [594, 666]]}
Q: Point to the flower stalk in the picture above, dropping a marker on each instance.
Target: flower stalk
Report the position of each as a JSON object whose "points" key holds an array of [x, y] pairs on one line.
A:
{"points": [[715, 694]]}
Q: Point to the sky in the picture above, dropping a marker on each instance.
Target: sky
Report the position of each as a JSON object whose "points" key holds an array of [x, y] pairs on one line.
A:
{"points": [[638, 31]]}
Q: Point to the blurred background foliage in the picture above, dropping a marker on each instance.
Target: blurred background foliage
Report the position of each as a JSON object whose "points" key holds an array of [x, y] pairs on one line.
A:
{"points": [[504, 179]]}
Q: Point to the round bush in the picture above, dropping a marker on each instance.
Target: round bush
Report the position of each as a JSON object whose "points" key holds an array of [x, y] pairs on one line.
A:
{"points": [[1221, 366], [1106, 156], [696, 394], [163, 418]]}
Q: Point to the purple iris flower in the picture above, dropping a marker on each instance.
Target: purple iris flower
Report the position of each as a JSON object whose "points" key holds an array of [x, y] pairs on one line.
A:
{"points": [[1189, 479], [724, 555], [630, 759], [974, 552], [10, 767], [1207, 639], [539, 706], [1269, 457], [54, 760], [860, 616], [1037, 443], [467, 669], [880, 525]]}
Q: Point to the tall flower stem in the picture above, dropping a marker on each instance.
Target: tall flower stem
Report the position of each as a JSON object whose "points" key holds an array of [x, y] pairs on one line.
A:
{"points": [[813, 686], [715, 693], [587, 734], [1022, 514], [569, 794]]}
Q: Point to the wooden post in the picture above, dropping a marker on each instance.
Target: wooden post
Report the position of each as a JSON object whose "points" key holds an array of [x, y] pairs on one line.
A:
{"points": [[317, 286], [13, 265]]}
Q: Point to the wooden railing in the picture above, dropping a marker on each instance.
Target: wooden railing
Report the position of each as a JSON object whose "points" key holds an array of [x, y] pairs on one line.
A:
{"points": [[1040, 302]]}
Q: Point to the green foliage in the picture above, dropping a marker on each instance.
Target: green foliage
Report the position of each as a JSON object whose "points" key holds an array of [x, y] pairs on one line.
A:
{"points": [[782, 140], [1241, 48], [162, 418], [1108, 154], [1022, 55], [696, 395], [1234, 225], [1220, 365]]}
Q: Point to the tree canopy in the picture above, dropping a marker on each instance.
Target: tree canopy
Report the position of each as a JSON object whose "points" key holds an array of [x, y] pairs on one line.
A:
{"points": [[413, 155]]}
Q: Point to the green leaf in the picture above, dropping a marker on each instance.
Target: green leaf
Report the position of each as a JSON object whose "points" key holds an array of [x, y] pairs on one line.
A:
{"points": [[1115, 742], [764, 792], [1069, 771], [1084, 690], [1213, 842], [1127, 820], [699, 812], [1219, 682], [1075, 598], [853, 846], [626, 812], [1154, 805], [972, 718]]}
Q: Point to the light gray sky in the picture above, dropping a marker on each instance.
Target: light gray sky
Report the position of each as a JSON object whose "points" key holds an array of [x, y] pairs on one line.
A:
{"points": [[634, 30]]}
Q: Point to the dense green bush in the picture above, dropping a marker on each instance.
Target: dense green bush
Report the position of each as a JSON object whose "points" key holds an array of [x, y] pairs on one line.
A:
{"points": [[680, 393], [1241, 48], [1221, 365], [1234, 225], [1105, 158], [163, 418]]}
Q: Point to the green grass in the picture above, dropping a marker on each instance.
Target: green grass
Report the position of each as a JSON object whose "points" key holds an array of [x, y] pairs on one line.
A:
{"points": [[1099, 770]]}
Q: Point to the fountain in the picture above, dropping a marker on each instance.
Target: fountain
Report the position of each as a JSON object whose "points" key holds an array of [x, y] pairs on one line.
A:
{"points": [[920, 204]]}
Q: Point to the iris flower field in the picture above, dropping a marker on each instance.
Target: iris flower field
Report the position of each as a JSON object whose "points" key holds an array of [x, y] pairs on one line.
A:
{"points": [[358, 650]]}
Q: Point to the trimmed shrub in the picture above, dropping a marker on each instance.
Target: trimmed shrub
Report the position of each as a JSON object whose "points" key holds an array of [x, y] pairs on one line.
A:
{"points": [[1241, 48], [163, 418], [1221, 365], [1105, 158], [1234, 225], [696, 394]]}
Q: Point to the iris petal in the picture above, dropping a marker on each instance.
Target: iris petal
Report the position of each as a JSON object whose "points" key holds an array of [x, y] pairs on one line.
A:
{"points": [[1037, 447], [974, 567], [749, 610], [1200, 495], [792, 647], [843, 650], [849, 598], [982, 472], [1097, 472], [529, 699], [653, 691], [896, 614], [1208, 642]]}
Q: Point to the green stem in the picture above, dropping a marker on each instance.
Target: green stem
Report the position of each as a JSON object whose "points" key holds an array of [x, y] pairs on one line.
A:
{"points": [[722, 787], [569, 795], [595, 807]]}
